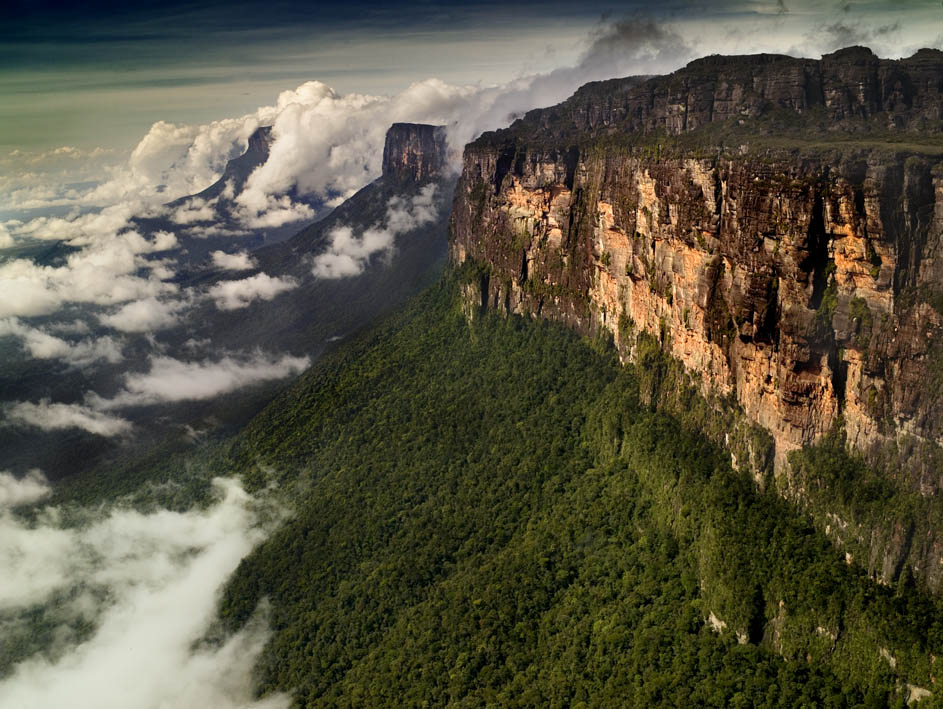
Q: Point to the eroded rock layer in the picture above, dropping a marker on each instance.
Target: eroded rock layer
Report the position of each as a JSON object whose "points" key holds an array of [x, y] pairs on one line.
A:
{"points": [[801, 278]]}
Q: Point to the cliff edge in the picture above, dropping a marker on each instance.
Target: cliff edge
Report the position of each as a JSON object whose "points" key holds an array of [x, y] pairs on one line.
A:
{"points": [[776, 224]]}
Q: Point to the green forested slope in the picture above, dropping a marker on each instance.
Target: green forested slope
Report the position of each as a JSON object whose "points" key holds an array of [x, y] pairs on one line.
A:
{"points": [[484, 514]]}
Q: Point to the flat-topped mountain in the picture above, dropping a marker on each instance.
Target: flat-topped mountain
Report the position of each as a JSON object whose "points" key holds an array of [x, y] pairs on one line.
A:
{"points": [[313, 311], [799, 280], [414, 151]]}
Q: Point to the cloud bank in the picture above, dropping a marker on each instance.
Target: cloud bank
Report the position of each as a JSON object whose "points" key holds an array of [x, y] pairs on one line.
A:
{"points": [[109, 270], [149, 584]]}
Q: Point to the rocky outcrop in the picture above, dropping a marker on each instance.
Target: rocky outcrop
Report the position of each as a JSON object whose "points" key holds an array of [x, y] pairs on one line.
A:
{"points": [[414, 152], [802, 280]]}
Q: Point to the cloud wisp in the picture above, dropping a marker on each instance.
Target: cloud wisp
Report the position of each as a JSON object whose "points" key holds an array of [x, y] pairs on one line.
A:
{"points": [[148, 583], [54, 416], [43, 345], [845, 32], [349, 254], [171, 380]]}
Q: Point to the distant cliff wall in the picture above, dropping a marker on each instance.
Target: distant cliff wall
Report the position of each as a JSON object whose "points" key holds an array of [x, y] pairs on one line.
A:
{"points": [[846, 90]]}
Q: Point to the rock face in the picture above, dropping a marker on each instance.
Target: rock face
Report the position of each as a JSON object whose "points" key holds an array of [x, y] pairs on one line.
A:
{"points": [[801, 279], [843, 90], [414, 152]]}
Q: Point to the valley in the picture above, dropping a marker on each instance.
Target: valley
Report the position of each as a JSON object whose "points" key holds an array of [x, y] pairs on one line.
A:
{"points": [[636, 402]]}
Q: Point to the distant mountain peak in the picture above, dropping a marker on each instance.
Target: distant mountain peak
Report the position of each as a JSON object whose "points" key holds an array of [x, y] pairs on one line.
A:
{"points": [[260, 140], [414, 152], [238, 169]]}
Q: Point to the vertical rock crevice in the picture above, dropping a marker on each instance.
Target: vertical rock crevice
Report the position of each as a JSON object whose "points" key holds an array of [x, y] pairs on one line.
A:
{"points": [[816, 263]]}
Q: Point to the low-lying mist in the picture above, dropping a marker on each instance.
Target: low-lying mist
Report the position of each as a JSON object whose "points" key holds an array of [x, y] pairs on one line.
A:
{"points": [[125, 600]]}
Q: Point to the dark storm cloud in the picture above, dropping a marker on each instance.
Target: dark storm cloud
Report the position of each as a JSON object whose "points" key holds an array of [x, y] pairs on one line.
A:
{"points": [[632, 46]]}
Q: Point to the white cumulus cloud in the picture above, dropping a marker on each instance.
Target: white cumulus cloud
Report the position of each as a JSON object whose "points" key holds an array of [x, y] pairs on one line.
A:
{"points": [[232, 295], [274, 212], [239, 261], [24, 490], [194, 210], [164, 241], [145, 315]]}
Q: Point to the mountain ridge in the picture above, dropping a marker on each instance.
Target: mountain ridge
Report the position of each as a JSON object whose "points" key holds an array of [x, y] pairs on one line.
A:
{"points": [[852, 89], [495, 510]]}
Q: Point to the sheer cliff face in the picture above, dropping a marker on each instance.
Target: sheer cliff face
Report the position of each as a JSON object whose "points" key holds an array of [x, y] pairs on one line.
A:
{"points": [[414, 152], [797, 280]]}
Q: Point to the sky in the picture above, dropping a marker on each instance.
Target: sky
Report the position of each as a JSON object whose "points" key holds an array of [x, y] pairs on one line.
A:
{"points": [[82, 84], [96, 75], [108, 111]]}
